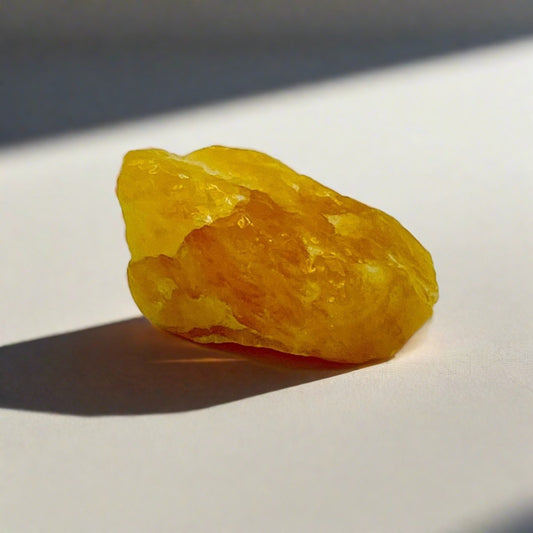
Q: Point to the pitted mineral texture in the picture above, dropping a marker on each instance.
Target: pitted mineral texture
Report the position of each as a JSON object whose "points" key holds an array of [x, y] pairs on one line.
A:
{"points": [[231, 245]]}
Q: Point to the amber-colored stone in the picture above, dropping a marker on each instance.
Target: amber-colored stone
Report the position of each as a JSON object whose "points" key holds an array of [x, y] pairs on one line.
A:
{"points": [[231, 245]]}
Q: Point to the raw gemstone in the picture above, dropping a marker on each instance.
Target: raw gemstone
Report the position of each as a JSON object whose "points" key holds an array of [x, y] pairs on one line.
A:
{"points": [[231, 245]]}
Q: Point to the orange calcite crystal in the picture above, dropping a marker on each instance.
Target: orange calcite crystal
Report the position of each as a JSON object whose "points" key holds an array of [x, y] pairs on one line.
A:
{"points": [[231, 245]]}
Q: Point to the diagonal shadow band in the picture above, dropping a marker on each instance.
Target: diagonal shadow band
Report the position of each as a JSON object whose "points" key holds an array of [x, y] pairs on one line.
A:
{"points": [[70, 88], [129, 367]]}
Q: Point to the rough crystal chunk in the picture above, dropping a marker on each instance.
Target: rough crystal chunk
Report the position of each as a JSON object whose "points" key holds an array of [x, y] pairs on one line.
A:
{"points": [[231, 245]]}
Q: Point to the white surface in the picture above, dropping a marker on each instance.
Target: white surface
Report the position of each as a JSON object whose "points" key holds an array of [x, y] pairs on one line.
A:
{"points": [[438, 439]]}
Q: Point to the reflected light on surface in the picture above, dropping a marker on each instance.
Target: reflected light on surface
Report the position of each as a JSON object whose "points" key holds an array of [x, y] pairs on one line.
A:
{"points": [[197, 360]]}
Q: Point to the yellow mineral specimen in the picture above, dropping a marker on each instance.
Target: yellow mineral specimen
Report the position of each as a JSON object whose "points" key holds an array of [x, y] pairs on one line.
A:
{"points": [[231, 245]]}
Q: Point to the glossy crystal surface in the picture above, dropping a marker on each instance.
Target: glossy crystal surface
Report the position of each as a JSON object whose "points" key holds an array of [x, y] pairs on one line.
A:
{"points": [[231, 245]]}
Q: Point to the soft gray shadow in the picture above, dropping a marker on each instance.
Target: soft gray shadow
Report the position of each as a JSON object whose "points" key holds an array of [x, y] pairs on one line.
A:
{"points": [[49, 88], [130, 367], [519, 521]]}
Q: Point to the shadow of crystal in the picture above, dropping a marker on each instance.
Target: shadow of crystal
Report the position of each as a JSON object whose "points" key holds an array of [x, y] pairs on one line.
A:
{"points": [[129, 367]]}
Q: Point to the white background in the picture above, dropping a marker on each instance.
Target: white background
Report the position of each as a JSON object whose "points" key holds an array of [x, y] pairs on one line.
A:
{"points": [[439, 439]]}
